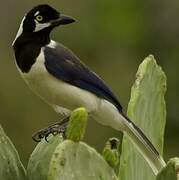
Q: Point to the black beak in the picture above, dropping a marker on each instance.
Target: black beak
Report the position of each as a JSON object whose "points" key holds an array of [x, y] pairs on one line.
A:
{"points": [[62, 20]]}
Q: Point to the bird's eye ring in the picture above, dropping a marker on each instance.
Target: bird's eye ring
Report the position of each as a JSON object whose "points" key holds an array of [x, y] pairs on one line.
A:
{"points": [[39, 18]]}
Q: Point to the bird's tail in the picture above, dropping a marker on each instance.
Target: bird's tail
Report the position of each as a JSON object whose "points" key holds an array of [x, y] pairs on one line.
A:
{"points": [[144, 145]]}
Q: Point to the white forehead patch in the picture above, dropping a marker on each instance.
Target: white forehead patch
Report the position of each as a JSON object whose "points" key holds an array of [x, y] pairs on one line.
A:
{"points": [[19, 32], [37, 13]]}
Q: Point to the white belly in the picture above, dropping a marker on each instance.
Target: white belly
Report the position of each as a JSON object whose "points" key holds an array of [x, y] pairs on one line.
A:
{"points": [[64, 97], [55, 91]]}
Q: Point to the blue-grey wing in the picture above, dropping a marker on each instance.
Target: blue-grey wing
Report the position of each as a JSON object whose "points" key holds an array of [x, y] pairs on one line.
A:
{"points": [[64, 65]]}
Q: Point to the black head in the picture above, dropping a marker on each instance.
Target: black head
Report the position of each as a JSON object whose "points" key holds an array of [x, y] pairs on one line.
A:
{"points": [[42, 18]]}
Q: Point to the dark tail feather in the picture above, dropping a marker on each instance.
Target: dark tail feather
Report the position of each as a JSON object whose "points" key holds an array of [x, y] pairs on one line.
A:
{"points": [[144, 145]]}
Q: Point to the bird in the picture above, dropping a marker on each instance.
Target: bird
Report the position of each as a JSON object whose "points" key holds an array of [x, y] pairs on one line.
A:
{"points": [[62, 80]]}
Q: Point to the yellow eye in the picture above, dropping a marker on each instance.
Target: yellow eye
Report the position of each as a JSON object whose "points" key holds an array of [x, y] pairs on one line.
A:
{"points": [[39, 18]]}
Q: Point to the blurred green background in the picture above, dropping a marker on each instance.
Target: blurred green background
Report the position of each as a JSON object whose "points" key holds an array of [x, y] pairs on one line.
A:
{"points": [[112, 37]]}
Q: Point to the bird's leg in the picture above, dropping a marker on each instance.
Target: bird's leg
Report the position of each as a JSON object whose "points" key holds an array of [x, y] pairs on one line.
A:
{"points": [[56, 128]]}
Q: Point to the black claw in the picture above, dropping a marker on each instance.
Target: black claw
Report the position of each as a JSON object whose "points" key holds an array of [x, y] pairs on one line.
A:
{"points": [[36, 138], [46, 138], [41, 136], [54, 133], [64, 135]]}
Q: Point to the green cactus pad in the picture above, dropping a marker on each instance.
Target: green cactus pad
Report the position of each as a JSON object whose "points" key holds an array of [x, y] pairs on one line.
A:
{"points": [[171, 171], [147, 109], [77, 124], [78, 161], [111, 152], [67, 160], [11, 167], [39, 161]]}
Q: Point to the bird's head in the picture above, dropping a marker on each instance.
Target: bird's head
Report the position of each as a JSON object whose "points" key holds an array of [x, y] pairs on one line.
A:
{"points": [[42, 18]]}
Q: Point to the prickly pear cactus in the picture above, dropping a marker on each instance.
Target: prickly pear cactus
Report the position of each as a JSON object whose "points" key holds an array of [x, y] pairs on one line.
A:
{"points": [[68, 160], [75, 161], [10, 166], [40, 159], [146, 108], [171, 171], [111, 152], [77, 124]]}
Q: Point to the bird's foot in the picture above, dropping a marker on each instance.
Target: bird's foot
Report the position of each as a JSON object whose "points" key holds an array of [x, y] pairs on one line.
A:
{"points": [[54, 129]]}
